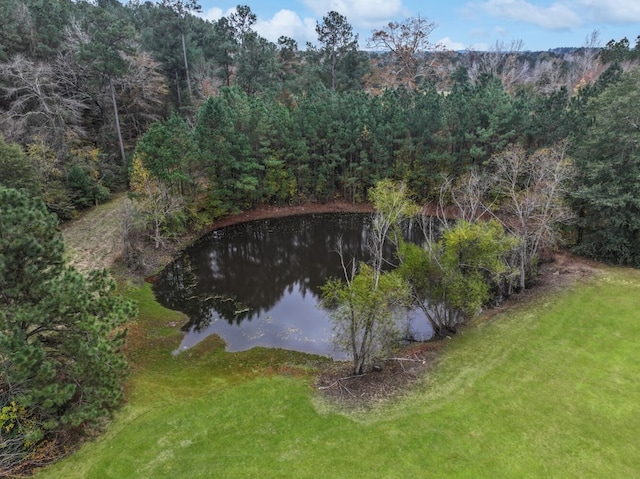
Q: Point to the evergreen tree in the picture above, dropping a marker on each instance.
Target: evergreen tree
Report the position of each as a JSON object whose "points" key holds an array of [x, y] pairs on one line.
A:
{"points": [[60, 331], [337, 40], [169, 152], [182, 9], [17, 171], [256, 64], [607, 192], [110, 40]]}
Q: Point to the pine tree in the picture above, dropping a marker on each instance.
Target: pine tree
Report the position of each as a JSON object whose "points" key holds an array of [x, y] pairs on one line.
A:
{"points": [[60, 331]]}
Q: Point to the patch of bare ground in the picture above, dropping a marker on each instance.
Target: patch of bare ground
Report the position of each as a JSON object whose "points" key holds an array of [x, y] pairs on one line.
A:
{"points": [[388, 379], [394, 376]]}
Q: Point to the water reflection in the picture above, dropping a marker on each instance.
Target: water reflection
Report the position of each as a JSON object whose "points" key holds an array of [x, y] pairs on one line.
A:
{"points": [[258, 283]]}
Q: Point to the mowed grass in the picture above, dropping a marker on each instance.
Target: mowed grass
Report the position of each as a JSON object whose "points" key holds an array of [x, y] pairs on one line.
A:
{"points": [[550, 390]]}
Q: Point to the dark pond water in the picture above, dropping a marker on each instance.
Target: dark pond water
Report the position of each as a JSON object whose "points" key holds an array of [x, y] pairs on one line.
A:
{"points": [[258, 283]]}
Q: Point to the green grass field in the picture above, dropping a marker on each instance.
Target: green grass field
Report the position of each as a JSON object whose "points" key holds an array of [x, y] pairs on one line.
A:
{"points": [[549, 390]]}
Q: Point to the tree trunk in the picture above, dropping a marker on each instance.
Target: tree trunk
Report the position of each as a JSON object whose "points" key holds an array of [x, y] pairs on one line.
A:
{"points": [[334, 60], [178, 91], [117, 118], [186, 65], [156, 230]]}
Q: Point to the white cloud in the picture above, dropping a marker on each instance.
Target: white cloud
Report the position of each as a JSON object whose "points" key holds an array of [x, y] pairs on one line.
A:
{"points": [[212, 14], [287, 23], [359, 13], [558, 16], [449, 44], [613, 11]]}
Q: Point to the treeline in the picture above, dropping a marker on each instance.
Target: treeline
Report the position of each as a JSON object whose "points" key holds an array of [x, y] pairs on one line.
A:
{"points": [[247, 150]]}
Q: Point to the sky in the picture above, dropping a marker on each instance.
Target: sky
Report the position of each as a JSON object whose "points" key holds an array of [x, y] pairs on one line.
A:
{"points": [[460, 24]]}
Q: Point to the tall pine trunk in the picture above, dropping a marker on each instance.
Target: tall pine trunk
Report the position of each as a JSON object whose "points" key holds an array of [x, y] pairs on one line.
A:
{"points": [[186, 65], [117, 119]]}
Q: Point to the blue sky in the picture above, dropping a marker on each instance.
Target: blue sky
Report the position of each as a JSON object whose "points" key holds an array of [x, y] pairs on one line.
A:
{"points": [[477, 24]]}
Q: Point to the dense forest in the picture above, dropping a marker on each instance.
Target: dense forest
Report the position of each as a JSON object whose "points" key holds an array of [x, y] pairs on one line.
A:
{"points": [[199, 119]]}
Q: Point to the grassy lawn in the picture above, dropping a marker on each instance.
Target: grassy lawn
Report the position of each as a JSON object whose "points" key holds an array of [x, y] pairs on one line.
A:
{"points": [[549, 390]]}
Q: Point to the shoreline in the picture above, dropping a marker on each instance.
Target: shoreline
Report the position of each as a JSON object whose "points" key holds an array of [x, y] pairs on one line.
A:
{"points": [[156, 260]]}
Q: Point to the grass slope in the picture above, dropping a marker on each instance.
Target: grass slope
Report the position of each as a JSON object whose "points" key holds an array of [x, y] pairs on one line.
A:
{"points": [[550, 390], [93, 240]]}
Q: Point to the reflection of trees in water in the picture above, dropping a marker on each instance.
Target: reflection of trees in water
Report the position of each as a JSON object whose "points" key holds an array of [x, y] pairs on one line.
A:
{"points": [[239, 272]]}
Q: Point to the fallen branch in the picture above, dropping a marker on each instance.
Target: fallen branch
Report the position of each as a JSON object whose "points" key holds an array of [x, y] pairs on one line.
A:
{"points": [[337, 381], [417, 360], [345, 388]]}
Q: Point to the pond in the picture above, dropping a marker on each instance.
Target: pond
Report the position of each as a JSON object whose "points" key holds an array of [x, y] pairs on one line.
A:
{"points": [[258, 283]]}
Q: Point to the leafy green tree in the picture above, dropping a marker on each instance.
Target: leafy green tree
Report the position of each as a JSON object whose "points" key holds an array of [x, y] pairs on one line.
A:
{"points": [[452, 278], [61, 365], [606, 193], [170, 153], [50, 177], [393, 206], [365, 309], [160, 208], [365, 312]]}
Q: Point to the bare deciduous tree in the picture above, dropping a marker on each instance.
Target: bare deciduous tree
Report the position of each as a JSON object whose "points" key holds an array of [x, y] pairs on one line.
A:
{"points": [[42, 102], [533, 189], [502, 61], [524, 192], [585, 65], [408, 42], [142, 91], [549, 74], [467, 195]]}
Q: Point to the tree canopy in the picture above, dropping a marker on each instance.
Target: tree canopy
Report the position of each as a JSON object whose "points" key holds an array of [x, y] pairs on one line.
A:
{"points": [[607, 193]]}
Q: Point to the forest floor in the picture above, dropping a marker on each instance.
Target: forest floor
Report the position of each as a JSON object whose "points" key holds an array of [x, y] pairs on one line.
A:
{"points": [[93, 242]]}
